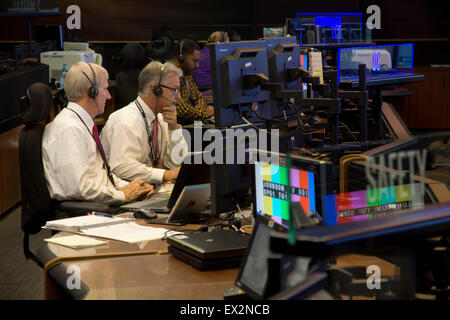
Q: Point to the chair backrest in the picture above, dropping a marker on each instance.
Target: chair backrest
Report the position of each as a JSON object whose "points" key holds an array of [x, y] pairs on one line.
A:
{"points": [[160, 50], [133, 61], [133, 56], [127, 87], [37, 206]]}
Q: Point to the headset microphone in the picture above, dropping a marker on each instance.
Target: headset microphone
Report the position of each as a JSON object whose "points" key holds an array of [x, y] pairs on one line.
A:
{"points": [[171, 102]]}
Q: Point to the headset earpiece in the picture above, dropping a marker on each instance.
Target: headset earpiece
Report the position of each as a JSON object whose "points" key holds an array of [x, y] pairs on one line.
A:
{"points": [[158, 90], [181, 57], [92, 91]]}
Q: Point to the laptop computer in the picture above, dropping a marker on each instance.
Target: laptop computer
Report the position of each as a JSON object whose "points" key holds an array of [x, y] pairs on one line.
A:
{"points": [[209, 250], [190, 174], [192, 201]]}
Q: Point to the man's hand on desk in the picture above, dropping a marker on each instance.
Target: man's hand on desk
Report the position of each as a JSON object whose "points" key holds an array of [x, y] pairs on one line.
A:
{"points": [[137, 189], [170, 175], [208, 109]]}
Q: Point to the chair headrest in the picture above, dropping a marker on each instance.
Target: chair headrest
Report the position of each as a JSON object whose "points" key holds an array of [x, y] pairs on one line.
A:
{"points": [[38, 104], [133, 56]]}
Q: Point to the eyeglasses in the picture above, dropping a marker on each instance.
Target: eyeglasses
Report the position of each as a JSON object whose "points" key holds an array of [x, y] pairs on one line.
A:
{"points": [[175, 90]]}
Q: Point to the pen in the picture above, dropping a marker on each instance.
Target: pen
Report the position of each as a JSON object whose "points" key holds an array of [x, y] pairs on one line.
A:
{"points": [[96, 213]]}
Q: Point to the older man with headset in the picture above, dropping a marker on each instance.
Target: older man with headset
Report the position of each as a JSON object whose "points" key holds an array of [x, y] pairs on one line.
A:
{"points": [[74, 161], [143, 140]]}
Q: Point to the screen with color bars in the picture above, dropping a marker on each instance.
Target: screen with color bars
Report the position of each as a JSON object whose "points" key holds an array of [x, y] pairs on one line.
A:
{"points": [[271, 188], [374, 203]]}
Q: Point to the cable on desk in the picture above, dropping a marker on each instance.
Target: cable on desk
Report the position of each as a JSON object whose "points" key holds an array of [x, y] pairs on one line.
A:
{"points": [[181, 231], [244, 227]]}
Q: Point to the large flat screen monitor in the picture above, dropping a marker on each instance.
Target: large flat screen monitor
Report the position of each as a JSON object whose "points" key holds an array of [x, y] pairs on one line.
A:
{"points": [[387, 61]]}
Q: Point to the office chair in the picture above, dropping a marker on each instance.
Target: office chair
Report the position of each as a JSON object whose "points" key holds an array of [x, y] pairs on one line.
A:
{"points": [[159, 50], [127, 80], [37, 206]]}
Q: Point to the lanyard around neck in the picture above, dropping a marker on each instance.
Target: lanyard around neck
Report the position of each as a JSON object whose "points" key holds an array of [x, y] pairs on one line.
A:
{"points": [[154, 157], [99, 147]]}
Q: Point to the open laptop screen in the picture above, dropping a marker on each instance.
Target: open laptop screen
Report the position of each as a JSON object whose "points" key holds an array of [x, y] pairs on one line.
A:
{"points": [[254, 271]]}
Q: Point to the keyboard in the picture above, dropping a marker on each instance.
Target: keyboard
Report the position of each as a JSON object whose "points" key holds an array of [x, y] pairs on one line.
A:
{"points": [[153, 203]]}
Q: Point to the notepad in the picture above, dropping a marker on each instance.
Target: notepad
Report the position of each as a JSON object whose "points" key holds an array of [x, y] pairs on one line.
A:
{"points": [[122, 229], [77, 242]]}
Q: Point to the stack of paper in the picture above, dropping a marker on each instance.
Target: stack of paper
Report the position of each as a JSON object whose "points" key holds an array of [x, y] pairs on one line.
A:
{"points": [[122, 229]]}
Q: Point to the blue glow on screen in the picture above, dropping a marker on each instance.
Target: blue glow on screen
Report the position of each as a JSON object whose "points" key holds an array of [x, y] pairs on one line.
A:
{"points": [[334, 21], [402, 61]]}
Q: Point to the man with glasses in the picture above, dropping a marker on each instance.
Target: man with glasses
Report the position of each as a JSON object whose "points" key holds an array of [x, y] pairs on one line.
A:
{"points": [[143, 140]]}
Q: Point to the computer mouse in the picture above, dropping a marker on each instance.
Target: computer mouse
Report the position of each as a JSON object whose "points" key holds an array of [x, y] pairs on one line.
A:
{"points": [[144, 214]]}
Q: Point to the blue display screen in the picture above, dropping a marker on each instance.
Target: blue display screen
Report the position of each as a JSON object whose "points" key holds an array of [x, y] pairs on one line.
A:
{"points": [[328, 28], [381, 61]]}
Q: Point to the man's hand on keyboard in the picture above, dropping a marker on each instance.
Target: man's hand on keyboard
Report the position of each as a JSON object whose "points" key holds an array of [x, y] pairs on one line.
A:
{"points": [[137, 189]]}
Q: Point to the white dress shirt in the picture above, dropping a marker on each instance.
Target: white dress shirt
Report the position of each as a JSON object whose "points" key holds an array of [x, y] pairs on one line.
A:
{"points": [[125, 140], [72, 163]]}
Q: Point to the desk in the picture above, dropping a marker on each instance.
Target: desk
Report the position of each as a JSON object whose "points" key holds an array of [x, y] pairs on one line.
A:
{"points": [[158, 276]]}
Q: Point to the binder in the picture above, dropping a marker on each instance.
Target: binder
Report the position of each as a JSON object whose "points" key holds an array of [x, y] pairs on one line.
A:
{"points": [[122, 229], [78, 224]]}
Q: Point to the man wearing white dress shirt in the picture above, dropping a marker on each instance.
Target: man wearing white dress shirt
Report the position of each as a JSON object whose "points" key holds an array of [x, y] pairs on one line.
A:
{"points": [[139, 144], [73, 158]]}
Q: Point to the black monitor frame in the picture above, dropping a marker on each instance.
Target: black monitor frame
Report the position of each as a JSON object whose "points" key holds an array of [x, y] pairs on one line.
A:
{"points": [[282, 54], [229, 103]]}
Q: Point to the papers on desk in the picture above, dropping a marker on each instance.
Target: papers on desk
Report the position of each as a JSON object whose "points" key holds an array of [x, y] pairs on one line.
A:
{"points": [[128, 232], [78, 224], [77, 242], [165, 188], [122, 229]]}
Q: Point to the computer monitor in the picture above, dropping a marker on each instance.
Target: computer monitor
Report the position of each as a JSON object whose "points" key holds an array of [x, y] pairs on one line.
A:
{"points": [[329, 28], [283, 56], [55, 33], [238, 71], [284, 59], [230, 178], [386, 61], [253, 275], [273, 32], [309, 180], [230, 184], [76, 46]]}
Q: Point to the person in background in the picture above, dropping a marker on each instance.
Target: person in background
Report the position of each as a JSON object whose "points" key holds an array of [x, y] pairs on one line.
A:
{"points": [[202, 75], [234, 36], [192, 105], [143, 139], [73, 158]]}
